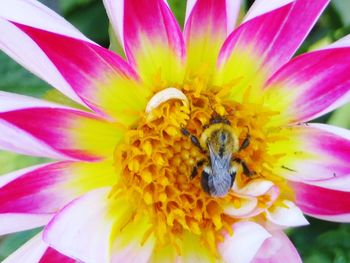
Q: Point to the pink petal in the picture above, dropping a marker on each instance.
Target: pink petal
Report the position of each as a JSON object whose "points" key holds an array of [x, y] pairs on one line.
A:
{"points": [[245, 242], [99, 78], [151, 37], [288, 215], [35, 14], [47, 188], [104, 81], [228, 9], [20, 47], [34, 127], [277, 249], [53, 256], [312, 84], [341, 183], [314, 152], [266, 41], [13, 138], [321, 202], [261, 7], [208, 23], [31, 251], [16, 222], [343, 42], [11, 101], [82, 230]]}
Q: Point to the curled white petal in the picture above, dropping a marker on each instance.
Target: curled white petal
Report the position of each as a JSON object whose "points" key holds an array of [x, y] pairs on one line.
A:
{"points": [[288, 216], [166, 95], [257, 187], [247, 206]]}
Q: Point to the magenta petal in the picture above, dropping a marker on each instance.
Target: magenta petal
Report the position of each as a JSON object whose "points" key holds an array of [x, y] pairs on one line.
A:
{"points": [[221, 14], [53, 256], [151, 37], [207, 25], [312, 84], [98, 77], [277, 249], [21, 48], [275, 35], [47, 188], [322, 202], [315, 152], [49, 132]]}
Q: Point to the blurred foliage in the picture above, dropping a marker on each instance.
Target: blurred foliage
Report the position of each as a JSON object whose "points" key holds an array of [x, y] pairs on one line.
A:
{"points": [[321, 242]]}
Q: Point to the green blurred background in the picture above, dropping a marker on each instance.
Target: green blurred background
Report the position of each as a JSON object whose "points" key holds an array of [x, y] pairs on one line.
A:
{"points": [[321, 242]]}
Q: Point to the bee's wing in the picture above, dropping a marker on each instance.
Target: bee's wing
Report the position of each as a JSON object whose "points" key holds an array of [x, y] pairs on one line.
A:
{"points": [[219, 165]]}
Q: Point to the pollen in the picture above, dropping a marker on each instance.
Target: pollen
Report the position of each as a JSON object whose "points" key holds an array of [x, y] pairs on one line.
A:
{"points": [[155, 162]]}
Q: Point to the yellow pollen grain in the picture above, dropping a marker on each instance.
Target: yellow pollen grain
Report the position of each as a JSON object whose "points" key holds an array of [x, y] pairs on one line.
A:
{"points": [[147, 148]]}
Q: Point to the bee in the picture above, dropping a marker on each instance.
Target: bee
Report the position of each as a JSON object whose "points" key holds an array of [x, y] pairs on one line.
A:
{"points": [[219, 142]]}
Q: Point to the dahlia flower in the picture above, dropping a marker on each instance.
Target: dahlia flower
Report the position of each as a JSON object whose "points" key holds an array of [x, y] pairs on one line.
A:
{"points": [[136, 176]]}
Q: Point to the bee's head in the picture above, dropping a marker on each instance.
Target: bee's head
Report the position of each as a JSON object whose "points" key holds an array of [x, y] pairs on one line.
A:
{"points": [[223, 140]]}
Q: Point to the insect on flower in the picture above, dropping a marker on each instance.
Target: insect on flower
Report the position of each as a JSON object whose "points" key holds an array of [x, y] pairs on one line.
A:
{"points": [[220, 142], [215, 98]]}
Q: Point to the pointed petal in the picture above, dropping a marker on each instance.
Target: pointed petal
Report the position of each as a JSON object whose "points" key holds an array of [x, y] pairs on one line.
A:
{"points": [[23, 49], [311, 85], [103, 80], [245, 242], [208, 23], [47, 188], [277, 249], [288, 215], [341, 183], [263, 43], [35, 127], [16, 222], [323, 203], [82, 230], [53, 256], [151, 37], [261, 7], [313, 152], [99, 78], [36, 250], [31, 251]]}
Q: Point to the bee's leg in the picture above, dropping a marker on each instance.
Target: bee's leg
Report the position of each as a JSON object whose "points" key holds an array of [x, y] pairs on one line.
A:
{"points": [[193, 138], [198, 165], [245, 142], [246, 170], [233, 172], [204, 181]]}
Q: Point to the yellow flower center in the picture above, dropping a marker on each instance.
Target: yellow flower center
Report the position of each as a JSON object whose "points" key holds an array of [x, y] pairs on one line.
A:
{"points": [[156, 161]]}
